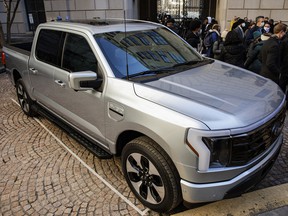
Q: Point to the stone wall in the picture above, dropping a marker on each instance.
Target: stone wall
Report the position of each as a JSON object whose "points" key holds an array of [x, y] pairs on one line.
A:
{"points": [[72, 9], [79, 9], [19, 24], [275, 9]]}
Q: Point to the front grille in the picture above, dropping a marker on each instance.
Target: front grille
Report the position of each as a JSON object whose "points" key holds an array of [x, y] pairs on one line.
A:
{"points": [[246, 147]]}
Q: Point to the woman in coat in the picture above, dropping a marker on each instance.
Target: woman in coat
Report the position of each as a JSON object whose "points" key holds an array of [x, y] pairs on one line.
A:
{"points": [[233, 50], [252, 62]]}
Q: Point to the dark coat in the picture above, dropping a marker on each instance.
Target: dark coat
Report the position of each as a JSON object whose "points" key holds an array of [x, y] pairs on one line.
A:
{"points": [[252, 62], [233, 50], [239, 32], [284, 63], [271, 59], [249, 34], [233, 54], [193, 39]]}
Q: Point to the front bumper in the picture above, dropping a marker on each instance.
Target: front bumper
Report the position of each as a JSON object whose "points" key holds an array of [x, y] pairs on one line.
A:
{"points": [[195, 193]]}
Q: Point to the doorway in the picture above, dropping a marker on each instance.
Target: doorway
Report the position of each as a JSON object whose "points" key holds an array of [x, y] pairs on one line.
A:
{"points": [[35, 13]]}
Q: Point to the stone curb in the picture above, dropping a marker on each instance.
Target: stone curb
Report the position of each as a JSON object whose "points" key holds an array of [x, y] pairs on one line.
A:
{"points": [[253, 203]]}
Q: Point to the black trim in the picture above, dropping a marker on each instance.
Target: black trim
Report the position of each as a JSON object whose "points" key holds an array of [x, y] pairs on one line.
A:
{"points": [[92, 146], [118, 113], [253, 180]]}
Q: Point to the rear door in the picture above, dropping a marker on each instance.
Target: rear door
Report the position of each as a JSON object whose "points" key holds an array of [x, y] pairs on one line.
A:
{"points": [[43, 62]]}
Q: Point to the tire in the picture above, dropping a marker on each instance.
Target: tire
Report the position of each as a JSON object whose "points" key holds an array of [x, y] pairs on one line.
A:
{"points": [[24, 99], [151, 175]]}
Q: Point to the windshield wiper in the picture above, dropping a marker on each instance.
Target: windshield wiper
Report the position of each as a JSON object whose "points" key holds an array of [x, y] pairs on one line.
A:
{"points": [[187, 63], [195, 62], [156, 71]]}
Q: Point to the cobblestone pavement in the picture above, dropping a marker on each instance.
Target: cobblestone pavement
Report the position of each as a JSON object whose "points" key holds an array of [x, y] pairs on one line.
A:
{"points": [[39, 177]]}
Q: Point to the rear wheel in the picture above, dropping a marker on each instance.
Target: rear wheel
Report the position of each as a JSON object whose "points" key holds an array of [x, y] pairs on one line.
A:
{"points": [[151, 175], [23, 98]]}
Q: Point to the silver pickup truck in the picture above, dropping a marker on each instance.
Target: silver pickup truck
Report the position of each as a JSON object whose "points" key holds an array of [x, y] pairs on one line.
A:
{"points": [[186, 127]]}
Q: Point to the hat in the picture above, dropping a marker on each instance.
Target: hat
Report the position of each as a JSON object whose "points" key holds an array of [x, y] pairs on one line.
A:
{"points": [[256, 34], [265, 36], [240, 21]]}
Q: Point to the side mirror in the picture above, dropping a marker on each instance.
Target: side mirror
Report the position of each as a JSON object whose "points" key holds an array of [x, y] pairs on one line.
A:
{"points": [[85, 80]]}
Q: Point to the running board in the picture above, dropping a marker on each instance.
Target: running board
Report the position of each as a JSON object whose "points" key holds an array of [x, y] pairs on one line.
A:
{"points": [[92, 147]]}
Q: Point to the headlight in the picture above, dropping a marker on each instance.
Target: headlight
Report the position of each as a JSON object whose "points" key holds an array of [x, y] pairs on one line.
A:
{"points": [[220, 149]]}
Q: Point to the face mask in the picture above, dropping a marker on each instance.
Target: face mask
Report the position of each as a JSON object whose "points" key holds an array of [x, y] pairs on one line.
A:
{"points": [[200, 32], [266, 29], [243, 25], [262, 24]]}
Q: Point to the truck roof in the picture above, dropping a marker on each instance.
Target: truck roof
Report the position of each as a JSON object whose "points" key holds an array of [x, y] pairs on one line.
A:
{"points": [[96, 26]]}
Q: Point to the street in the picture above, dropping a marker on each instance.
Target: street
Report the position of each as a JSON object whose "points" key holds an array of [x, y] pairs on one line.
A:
{"points": [[43, 171]]}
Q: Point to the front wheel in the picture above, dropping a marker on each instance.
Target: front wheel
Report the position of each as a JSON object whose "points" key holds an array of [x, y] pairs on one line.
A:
{"points": [[151, 175], [23, 98]]}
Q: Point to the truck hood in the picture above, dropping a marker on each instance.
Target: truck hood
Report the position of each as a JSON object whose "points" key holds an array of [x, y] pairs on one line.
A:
{"points": [[219, 95]]}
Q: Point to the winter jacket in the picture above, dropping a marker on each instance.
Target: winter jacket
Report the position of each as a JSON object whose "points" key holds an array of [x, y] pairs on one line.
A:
{"points": [[252, 62], [284, 64], [193, 39], [271, 59], [217, 47], [215, 36], [233, 54]]}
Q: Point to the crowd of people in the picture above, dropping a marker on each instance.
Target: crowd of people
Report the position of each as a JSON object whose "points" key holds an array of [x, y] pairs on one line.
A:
{"points": [[259, 46]]}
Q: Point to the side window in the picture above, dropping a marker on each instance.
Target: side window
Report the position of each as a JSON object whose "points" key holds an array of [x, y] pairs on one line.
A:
{"points": [[48, 48], [78, 55]]}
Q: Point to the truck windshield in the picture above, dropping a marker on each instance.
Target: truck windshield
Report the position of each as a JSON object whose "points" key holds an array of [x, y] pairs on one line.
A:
{"points": [[139, 52]]}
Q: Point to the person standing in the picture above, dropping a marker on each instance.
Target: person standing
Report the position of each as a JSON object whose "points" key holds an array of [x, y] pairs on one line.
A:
{"points": [[284, 67], [239, 29], [252, 62], [233, 50], [267, 28], [212, 35], [258, 27], [193, 35], [270, 54]]}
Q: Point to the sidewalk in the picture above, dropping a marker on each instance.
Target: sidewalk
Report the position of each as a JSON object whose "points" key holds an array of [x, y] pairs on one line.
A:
{"points": [[265, 202]]}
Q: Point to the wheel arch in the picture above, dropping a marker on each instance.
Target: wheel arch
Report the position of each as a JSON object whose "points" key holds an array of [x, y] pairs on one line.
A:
{"points": [[16, 76], [124, 138]]}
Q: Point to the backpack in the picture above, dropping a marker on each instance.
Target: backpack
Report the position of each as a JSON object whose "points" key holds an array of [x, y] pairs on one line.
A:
{"points": [[208, 39]]}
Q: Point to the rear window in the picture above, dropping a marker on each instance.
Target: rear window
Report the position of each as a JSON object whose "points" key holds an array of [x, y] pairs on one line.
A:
{"points": [[48, 48]]}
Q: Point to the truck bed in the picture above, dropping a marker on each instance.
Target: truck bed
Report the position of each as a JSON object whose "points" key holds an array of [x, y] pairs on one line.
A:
{"points": [[24, 48]]}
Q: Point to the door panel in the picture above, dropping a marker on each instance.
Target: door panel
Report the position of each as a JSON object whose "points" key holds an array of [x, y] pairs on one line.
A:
{"points": [[85, 109], [43, 64]]}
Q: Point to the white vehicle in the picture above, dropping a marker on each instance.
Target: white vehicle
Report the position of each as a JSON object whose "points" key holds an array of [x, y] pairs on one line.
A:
{"points": [[187, 127]]}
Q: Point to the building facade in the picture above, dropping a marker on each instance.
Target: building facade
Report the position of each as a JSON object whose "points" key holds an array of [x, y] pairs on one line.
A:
{"points": [[227, 9], [32, 12]]}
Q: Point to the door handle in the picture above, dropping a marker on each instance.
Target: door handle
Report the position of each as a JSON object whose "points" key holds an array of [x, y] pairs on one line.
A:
{"points": [[60, 83], [33, 70]]}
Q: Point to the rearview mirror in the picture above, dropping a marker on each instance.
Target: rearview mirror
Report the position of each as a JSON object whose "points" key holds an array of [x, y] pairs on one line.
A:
{"points": [[85, 80]]}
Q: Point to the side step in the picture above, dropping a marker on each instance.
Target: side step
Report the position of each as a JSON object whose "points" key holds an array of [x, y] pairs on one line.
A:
{"points": [[91, 146]]}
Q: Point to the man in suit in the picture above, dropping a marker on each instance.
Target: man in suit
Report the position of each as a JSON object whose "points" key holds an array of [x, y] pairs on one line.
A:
{"points": [[238, 28], [258, 27], [270, 54]]}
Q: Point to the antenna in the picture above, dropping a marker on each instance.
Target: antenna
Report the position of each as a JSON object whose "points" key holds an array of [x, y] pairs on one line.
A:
{"points": [[125, 34]]}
